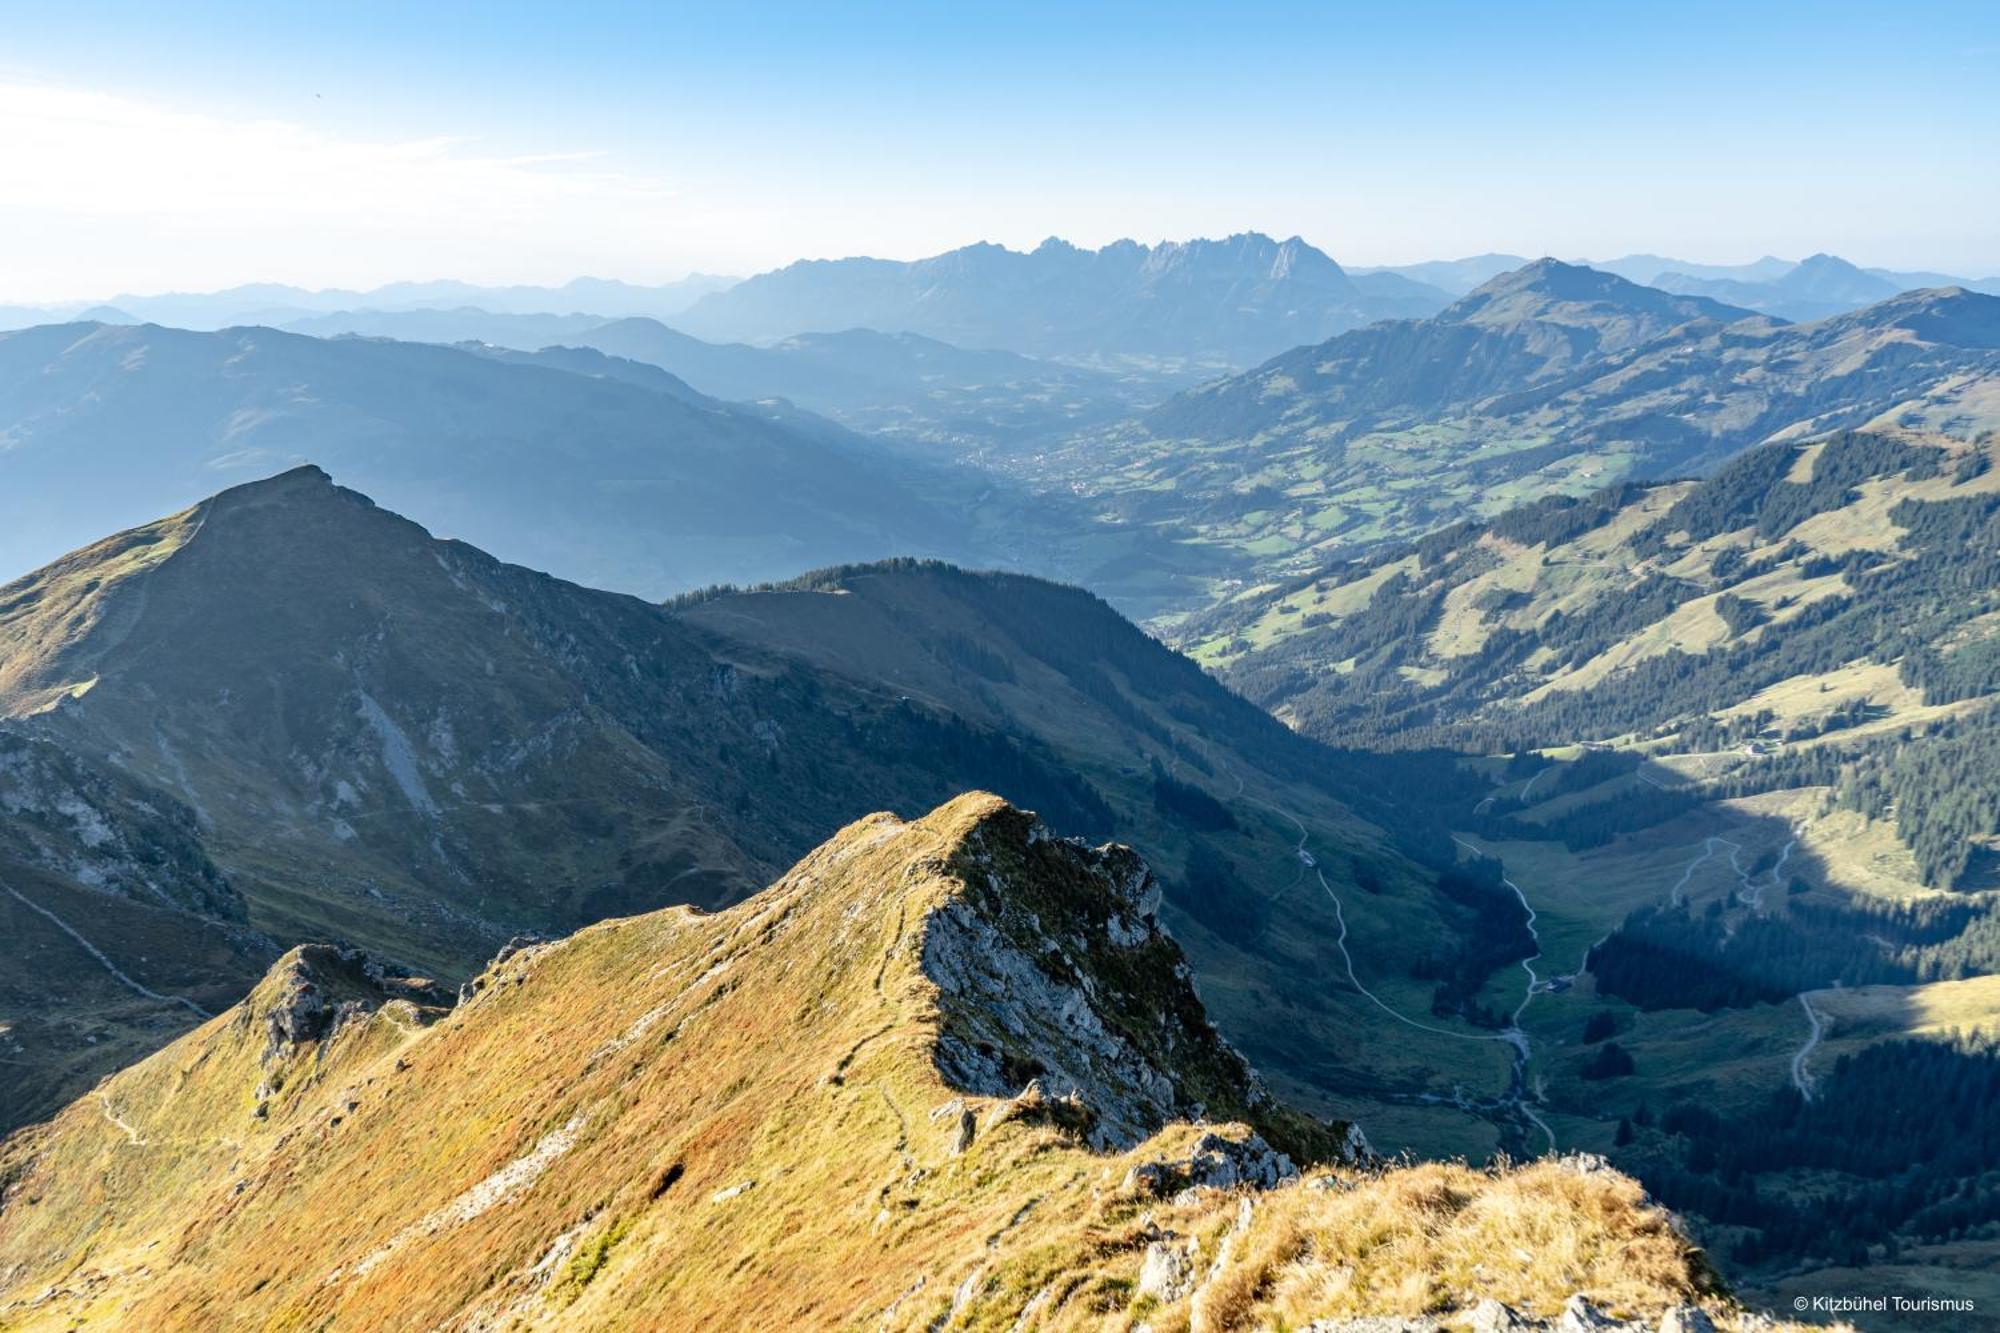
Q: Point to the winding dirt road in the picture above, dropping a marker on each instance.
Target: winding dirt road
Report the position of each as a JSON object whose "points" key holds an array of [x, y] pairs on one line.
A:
{"points": [[1515, 1100], [1801, 1077]]}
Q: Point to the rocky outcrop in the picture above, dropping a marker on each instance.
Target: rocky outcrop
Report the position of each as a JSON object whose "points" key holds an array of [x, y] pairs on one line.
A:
{"points": [[1215, 1162], [1490, 1316], [1052, 971], [316, 989], [1168, 1271], [520, 951], [1578, 1315]]}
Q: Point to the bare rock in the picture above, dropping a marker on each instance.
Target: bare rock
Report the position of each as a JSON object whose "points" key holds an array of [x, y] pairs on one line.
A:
{"points": [[520, 947], [1034, 1106], [1585, 1163], [316, 989], [1051, 966], [1580, 1316], [963, 1124], [1686, 1319], [1491, 1316], [1215, 1162], [1168, 1271]]}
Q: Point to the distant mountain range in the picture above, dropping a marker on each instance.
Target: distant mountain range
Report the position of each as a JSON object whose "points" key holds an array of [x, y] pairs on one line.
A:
{"points": [[1187, 307], [898, 385], [1815, 288], [1524, 328], [1219, 304], [278, 304], [1552, 378], [617, 461], [607, 472], [1805, 289], [528, 331]]}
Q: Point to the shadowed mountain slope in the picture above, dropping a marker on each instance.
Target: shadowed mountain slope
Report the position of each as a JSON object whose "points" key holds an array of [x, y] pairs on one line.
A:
{"points": [[351, 705], [596, 479], [331, 725]]}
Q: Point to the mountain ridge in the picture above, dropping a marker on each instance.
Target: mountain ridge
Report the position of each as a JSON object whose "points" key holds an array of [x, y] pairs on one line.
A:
{"points": [[409, 745], [1535, 323], [603, 479], [276, 303], [617, 1185], [1202, 302]]}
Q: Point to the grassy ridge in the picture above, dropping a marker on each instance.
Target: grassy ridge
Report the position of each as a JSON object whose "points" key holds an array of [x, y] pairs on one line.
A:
{"points": [[675, 1118]]}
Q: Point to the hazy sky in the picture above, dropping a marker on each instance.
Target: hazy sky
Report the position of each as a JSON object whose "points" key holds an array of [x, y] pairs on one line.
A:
{"points": [[148, 147]]}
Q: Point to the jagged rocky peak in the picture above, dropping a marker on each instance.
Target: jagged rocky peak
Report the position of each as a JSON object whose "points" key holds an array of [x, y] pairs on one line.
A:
{"points": [[1051, 968]]}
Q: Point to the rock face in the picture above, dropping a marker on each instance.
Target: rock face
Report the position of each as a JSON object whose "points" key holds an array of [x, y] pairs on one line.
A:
{"points": [[1052, 968], [102, 831], [1168, 1271]]}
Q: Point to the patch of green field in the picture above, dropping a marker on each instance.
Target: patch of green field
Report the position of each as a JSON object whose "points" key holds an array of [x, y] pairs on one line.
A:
{"points": [[1730, 1059]]}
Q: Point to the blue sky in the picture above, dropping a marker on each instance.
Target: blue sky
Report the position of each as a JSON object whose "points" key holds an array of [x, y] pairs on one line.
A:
{"points": [[188, 145]]}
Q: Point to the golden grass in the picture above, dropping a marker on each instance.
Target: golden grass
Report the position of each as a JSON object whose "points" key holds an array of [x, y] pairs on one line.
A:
{"points": [[1431, 1239], [1939, 1009], [43, 615], [681, 1120]]}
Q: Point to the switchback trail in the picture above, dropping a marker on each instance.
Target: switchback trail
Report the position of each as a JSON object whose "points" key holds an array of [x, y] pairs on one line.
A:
{"points": [[132, 1135]]}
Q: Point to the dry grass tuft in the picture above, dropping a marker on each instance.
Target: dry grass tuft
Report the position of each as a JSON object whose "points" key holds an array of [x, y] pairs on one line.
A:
{"points": [[1435, 1238]]}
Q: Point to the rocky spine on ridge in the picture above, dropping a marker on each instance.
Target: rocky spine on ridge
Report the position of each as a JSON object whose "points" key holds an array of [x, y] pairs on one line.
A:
{"points": [[316, 989], [1051, 967]]}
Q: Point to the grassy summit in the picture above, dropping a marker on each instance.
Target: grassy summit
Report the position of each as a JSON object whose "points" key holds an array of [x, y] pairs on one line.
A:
{"points": [[938, 1075]]}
